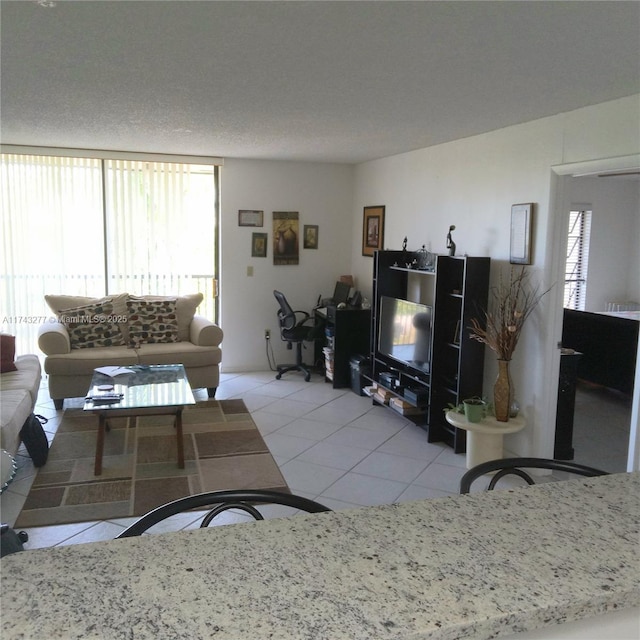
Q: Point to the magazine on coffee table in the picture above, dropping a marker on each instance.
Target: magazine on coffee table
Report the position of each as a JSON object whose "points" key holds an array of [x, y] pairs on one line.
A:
{"points": [[113, 372]]}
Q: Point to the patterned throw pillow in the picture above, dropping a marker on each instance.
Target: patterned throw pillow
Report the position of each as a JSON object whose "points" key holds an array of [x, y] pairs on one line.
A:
{"points": [[59, 303], [92, 325], [186, 306], [152, 321]]}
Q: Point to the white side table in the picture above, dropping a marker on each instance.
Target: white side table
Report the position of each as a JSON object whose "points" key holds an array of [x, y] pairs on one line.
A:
{"points": [[484, 438]]}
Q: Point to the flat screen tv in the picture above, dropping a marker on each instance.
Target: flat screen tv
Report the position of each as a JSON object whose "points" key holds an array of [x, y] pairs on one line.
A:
{"points": [[404, 332]]}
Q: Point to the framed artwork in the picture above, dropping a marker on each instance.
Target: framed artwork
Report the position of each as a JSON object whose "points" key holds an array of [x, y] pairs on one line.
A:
{"points": [[310, 235], [258, 245], [521, 223], [286, 235], [372, 230], [250, 218]]}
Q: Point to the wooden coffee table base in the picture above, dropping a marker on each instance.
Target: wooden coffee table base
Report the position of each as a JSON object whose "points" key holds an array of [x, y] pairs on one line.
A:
{"points": [[104, 415]]}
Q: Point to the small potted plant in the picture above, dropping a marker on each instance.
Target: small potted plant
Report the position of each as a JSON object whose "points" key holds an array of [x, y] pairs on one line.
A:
{"points": [[475, 409]]}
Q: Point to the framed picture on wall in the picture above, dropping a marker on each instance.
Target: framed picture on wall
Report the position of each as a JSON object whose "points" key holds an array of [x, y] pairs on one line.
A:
{"points": [[258, 245], [310, 235], [250, 218], [372, 230], [521, 222], [286, 237]]}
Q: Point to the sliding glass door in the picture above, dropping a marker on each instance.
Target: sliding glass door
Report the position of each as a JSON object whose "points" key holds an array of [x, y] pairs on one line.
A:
{"points": [[161, 229], [91, 227]]}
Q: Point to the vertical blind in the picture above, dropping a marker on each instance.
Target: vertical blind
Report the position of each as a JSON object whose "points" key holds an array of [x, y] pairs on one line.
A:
{"points": [[92, 226], [161, 227]]}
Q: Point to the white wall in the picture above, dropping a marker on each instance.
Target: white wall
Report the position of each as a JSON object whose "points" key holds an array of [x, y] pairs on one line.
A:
{"points": [[322, 194], [614, 254], [472, 183]]}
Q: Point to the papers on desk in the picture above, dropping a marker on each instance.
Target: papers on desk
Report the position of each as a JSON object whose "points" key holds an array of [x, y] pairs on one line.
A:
{"points": [[322, 312], [112, 372]]}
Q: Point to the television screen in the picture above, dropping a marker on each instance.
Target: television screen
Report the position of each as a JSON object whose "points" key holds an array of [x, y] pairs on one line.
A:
{"points": [[405, 332]]}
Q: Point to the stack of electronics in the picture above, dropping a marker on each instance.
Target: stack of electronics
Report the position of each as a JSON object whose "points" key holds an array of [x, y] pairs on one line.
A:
{"points": [[104, 394], [390, 379], [416, 395]]}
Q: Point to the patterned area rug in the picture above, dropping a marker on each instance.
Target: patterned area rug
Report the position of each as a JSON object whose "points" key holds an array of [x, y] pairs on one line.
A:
{"points": [[223, 450]]}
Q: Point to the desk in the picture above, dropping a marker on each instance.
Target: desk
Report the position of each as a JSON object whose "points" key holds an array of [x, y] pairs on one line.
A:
{"points": [[351, 331], [475, 566], [484, 438]]}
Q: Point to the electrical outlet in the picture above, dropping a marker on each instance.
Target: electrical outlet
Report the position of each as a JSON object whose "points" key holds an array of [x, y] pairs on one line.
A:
{"points": [[267, 334]]}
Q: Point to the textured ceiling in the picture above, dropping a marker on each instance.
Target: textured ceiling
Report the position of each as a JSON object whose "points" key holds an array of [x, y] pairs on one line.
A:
{"points": [[324, 81]]}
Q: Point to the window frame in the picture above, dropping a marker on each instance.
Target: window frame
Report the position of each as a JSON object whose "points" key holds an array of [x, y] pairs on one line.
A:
{"points": [[578, 241]]}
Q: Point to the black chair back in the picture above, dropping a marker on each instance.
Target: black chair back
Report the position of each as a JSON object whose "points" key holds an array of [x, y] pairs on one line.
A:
{"points": [[220, 501], [295, 327], [286, 315], [514, 466]]}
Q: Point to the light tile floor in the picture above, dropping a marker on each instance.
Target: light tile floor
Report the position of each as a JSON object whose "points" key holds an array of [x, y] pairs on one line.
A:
{"points": [[330, 444], [601, 428]]}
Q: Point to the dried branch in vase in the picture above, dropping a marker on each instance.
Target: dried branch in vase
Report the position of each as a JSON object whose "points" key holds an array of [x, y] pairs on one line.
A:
{"points": [[511, 303]]}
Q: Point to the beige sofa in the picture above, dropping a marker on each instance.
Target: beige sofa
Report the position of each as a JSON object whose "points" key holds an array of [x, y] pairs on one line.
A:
{"points": [[18, 395], [123, 330]]}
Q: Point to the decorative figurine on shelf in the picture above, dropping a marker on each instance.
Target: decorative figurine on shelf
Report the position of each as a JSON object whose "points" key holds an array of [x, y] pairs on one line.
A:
{"points": [[406, 258], [451, 245]]}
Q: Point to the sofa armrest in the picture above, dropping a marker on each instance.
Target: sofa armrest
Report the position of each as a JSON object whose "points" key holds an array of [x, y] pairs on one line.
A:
{"points": [[204, 333], [53, 338]]}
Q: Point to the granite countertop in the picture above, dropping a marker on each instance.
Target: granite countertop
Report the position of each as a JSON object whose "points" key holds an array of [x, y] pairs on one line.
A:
{"points": [[473, 566]]}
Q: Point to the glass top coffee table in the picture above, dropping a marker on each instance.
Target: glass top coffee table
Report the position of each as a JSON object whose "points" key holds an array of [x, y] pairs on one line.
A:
{"points": [[139, 390]]}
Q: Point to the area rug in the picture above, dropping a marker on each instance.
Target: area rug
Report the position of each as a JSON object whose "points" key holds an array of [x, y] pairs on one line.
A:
{"points": [[223, 450]]}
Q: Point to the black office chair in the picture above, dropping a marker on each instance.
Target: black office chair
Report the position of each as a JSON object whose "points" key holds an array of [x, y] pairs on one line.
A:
{"points": [[514, 466], [294, 329], [242, 499]]}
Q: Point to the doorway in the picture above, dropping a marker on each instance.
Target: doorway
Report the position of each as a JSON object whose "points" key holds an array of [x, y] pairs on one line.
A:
{"points": [[620, 449]]}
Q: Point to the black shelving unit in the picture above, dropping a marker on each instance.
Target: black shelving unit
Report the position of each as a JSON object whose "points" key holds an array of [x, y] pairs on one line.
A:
{"points": [[350, 337], [457, 290]]}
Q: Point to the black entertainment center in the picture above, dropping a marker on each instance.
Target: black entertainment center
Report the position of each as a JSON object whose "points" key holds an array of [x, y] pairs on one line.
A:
{"points": [[421, 352]]}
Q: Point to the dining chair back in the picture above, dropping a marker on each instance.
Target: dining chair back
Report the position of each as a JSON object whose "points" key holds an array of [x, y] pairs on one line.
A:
{"points": [[514, 466], [218, 501]]}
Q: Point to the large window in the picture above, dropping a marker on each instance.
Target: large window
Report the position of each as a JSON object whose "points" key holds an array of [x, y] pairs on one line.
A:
{"points": [[98, 226], [575, 278]]}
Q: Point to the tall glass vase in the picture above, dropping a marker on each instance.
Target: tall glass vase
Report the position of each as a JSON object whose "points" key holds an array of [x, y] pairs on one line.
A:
{"points": [[502, 390]]}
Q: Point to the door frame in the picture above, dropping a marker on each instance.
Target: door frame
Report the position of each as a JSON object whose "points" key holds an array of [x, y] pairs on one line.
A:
{"points": [[559, 175]]}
